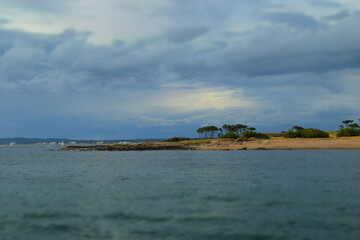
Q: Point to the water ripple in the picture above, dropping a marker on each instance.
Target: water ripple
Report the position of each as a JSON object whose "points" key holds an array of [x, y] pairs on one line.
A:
{"points": [[49, 216], [134, 217]]}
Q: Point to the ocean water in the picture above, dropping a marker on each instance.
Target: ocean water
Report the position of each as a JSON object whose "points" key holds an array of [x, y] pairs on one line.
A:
{"points": [[257, 195]]}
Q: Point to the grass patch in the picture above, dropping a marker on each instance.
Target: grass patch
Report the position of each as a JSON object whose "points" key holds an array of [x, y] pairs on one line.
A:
{"points": [[332, 134]]}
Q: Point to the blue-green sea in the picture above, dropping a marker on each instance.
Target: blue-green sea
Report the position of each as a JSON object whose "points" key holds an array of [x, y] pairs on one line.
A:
{"points": [[255, 195]]}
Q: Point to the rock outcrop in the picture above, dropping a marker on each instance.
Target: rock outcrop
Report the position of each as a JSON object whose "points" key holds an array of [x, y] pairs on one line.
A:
{"points": [[130, 147]]}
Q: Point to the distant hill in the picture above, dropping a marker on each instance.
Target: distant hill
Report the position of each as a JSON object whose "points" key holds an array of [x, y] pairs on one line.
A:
{"points": [[22, 140]]}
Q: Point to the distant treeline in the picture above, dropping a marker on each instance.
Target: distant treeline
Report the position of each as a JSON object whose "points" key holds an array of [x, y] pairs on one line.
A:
{"points": [[350, 128], [300, 132], [229, 131], [241, 131]]}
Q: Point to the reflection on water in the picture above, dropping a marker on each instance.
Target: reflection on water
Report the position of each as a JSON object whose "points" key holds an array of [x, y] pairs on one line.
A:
{"points": [[179, 194]]}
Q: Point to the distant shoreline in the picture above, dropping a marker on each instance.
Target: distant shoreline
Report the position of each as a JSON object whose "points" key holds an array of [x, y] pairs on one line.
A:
{"points": [[276, 143]]}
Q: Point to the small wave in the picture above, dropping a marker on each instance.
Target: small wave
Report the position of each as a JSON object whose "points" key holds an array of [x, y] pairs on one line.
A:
{"points": [[277, 203], [49, 216], [236, 236], [61, 228], [208, 236], [210, 218], [220, 199], [51, 229], [159, 197], [153, 234], [134, 217]]}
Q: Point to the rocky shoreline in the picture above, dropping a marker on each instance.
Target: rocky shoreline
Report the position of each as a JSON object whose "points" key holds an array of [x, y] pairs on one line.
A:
{"points": [[130, 147]]}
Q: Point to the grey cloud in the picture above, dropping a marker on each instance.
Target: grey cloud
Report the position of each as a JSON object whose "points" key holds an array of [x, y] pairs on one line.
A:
{"points": [[298, 76], [326, 4], [279, 50], [338, 16], [22, 63], [24, 57], [17, 48], [3, 21], [69, 60], [297, 20], [37, 5], [316, 62], [185, 34], [9, 38], [188, 12]]}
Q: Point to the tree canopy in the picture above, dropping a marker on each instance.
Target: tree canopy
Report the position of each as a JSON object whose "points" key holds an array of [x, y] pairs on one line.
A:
{"points": [[350, 129], [208, 132], [229, 131]]}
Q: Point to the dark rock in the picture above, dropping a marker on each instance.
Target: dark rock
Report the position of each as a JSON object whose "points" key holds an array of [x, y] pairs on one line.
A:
{"points": [[129, 147]]}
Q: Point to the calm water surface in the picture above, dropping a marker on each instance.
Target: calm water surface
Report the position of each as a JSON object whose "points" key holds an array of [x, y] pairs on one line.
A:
{"points": [[304, 194]]}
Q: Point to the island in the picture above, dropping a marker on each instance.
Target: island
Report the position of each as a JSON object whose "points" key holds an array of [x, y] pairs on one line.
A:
{"points": [[242, 137], [274, 143]]}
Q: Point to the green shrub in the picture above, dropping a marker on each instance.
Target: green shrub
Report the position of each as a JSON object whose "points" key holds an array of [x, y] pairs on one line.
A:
{"points": [[299, 132], [313, 133], [292, 134], [249, 134], [176, 139], [230, 135], [348, 132]]}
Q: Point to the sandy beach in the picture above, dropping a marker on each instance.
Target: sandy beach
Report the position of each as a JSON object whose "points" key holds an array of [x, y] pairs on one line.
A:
{"points": [[285, 143]]}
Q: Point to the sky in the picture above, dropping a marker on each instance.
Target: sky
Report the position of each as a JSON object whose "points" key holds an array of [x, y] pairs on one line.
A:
{"points": [[124, 69]]}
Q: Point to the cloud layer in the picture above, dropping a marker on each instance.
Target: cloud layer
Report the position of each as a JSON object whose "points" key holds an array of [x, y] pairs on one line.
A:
{"points": [[163, 68]]}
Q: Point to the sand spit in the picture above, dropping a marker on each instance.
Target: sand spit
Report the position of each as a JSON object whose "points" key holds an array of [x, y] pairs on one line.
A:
{"points": [[255, 144], [288, 144]]}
